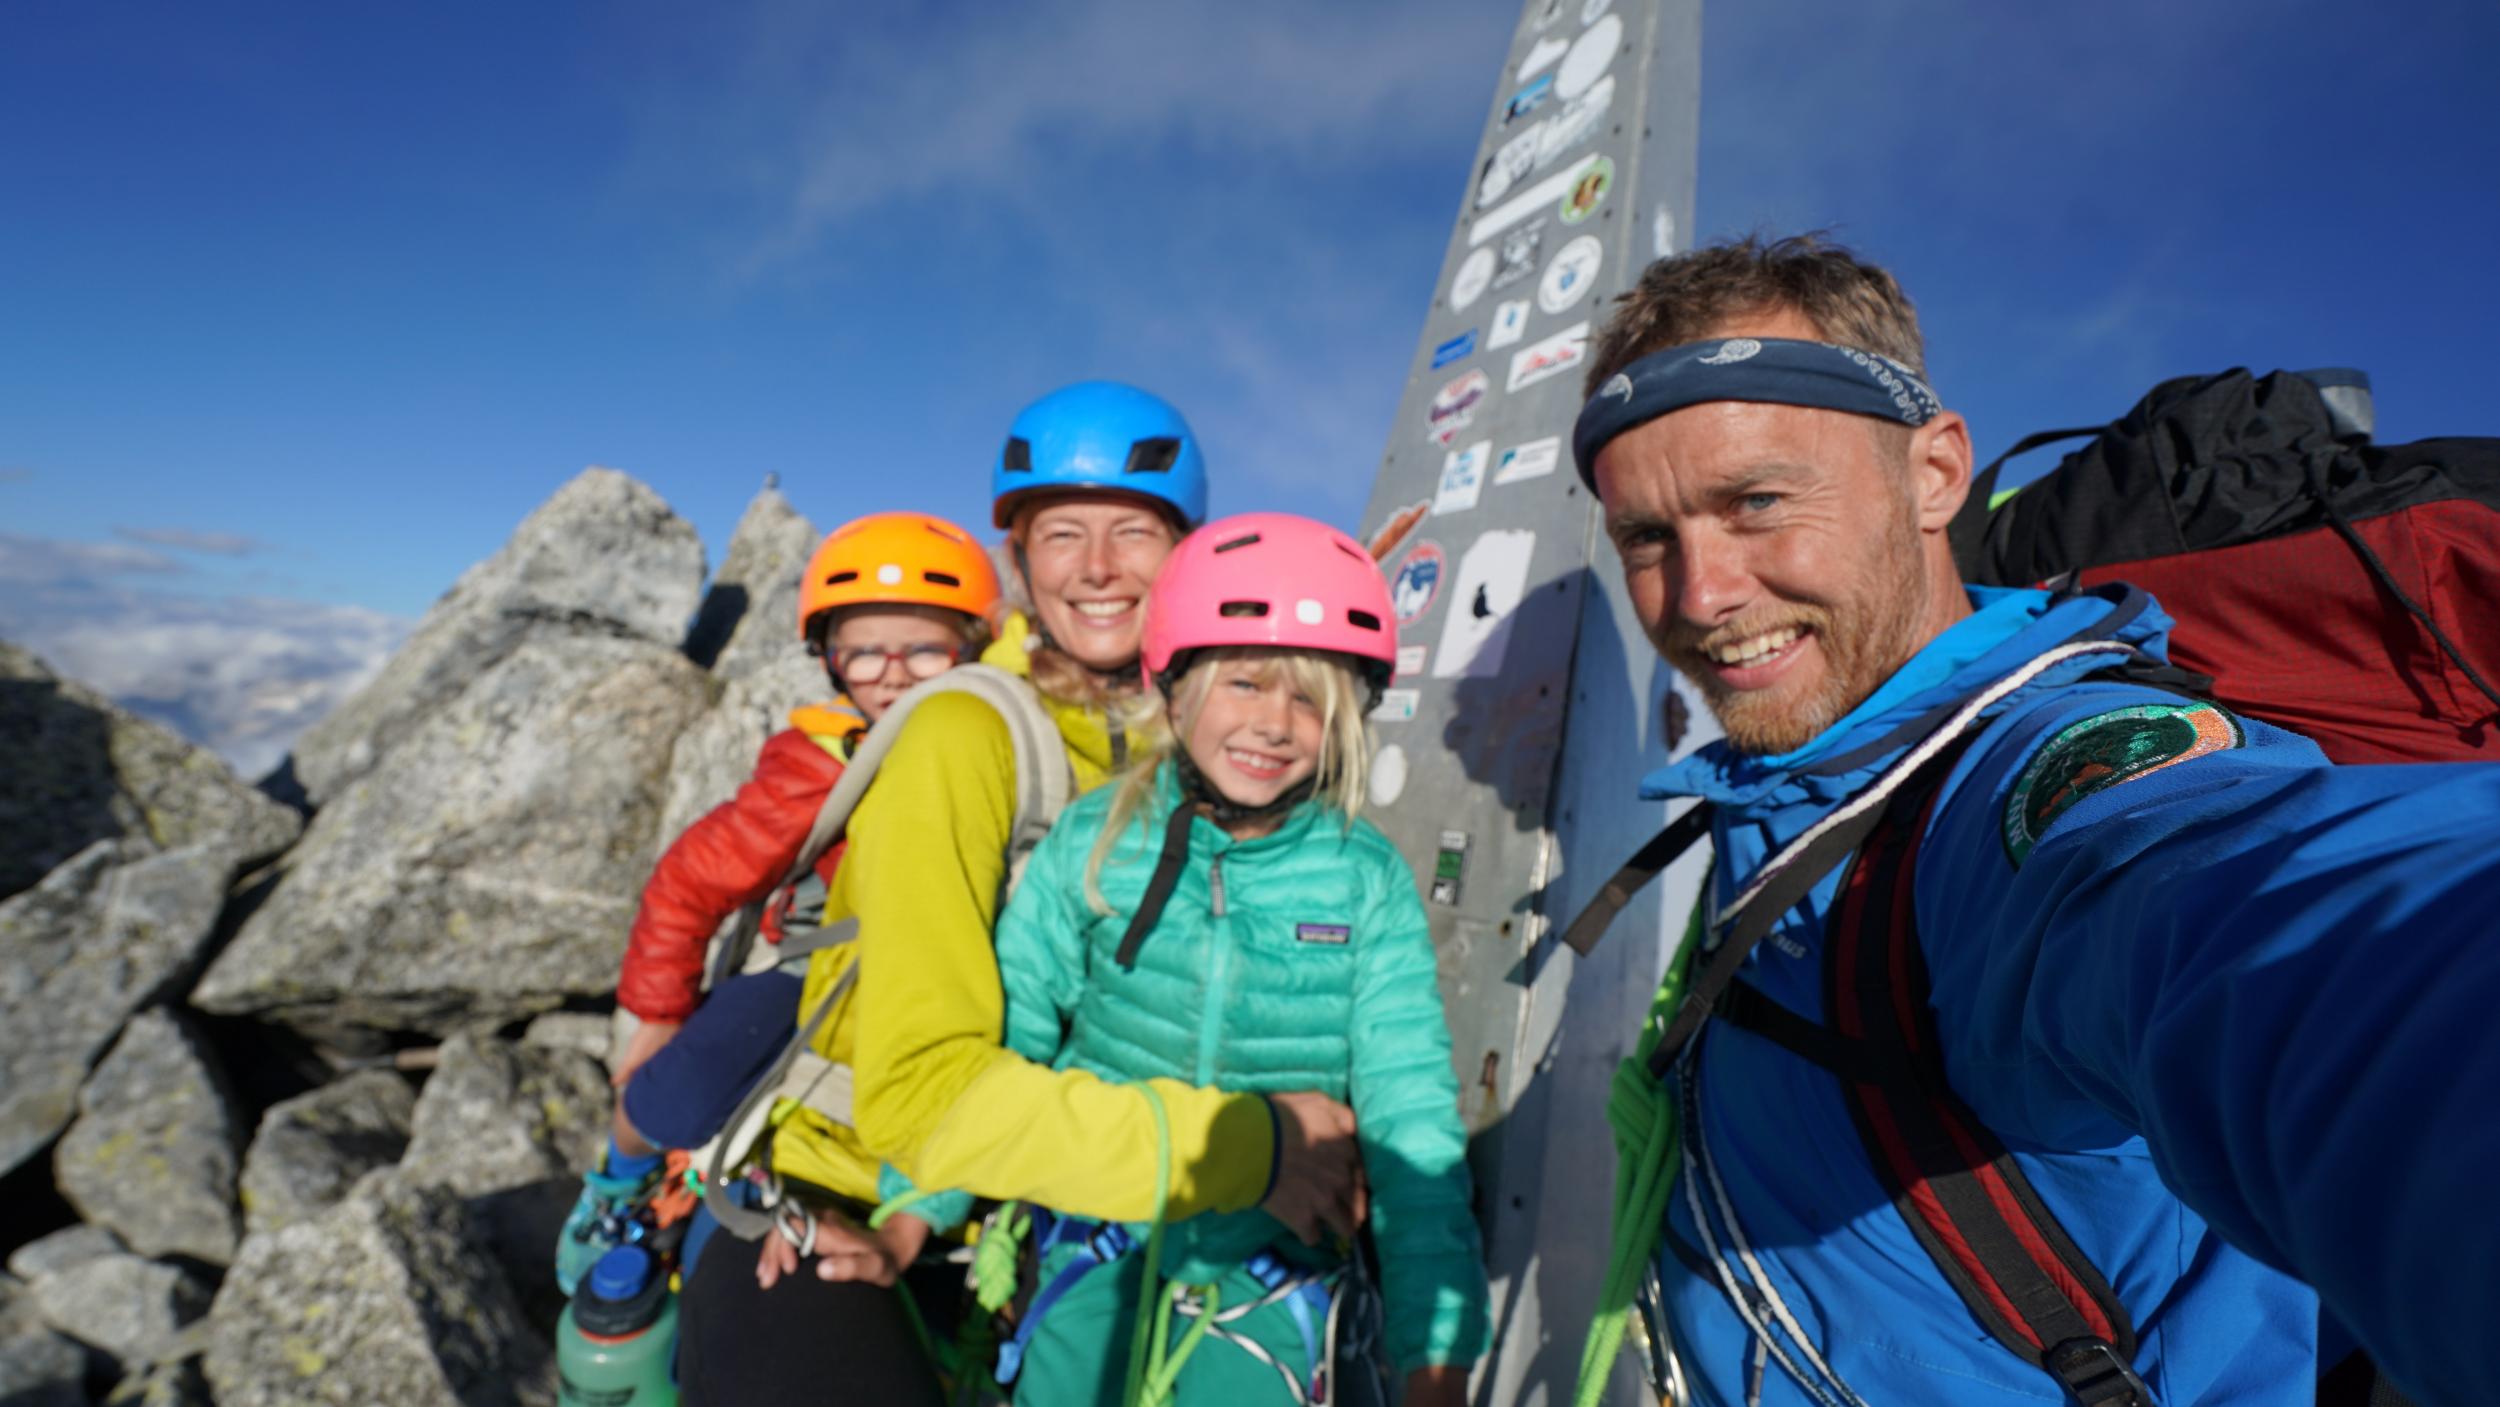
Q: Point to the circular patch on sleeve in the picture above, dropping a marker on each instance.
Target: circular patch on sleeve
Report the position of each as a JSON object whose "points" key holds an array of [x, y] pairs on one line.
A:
{"points": [[2100, 752]]}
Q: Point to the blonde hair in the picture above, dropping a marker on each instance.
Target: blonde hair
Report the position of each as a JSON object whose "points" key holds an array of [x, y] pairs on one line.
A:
{"points": [[1345, 745]]}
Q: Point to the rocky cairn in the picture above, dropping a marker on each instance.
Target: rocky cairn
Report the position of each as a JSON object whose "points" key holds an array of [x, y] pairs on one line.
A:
{"points": [[317, 1090]]}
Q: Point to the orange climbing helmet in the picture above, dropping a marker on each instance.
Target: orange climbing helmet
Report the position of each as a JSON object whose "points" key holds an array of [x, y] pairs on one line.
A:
{"points": [[896, 559]]}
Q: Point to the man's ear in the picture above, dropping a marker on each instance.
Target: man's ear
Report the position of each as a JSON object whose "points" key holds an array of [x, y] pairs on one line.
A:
{"points": [[1940, 469]]}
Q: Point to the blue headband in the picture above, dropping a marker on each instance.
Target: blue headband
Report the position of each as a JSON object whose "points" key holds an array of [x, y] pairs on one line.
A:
{"points": [[1778, 370]]}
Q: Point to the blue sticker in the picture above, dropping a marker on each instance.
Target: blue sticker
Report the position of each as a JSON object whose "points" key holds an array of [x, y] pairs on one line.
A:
{"points": [[1456, 349], [1333, 934], [1417, 582], [1528, 99]]}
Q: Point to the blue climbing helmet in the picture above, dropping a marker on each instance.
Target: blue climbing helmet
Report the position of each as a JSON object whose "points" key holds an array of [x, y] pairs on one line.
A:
{"points": [[1101, 435]]}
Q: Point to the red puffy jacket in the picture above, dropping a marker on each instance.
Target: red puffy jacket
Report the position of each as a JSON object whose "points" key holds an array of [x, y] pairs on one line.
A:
{"points": [[733, 857]]}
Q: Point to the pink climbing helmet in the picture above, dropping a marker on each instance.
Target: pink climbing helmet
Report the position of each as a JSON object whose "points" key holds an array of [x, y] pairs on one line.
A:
{"points": [[1270, 579]]}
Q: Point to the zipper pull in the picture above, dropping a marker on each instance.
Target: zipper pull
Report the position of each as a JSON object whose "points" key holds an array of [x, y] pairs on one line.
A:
{"points": [[1215, 885]]}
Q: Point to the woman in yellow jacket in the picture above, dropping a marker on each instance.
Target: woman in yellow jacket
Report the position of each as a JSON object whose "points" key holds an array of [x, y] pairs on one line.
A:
{"points": [[1095, 485]]}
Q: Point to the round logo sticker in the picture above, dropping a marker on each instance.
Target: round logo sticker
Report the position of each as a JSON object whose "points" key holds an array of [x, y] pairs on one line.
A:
{"points": [[1587, 191], [1572, 274], [1453, 407], [1475, 272], [1591, 55], [1417, 582]]}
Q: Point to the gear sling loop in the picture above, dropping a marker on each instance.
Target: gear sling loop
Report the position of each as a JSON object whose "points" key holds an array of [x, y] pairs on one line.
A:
{"points": [[1953, 1182]]}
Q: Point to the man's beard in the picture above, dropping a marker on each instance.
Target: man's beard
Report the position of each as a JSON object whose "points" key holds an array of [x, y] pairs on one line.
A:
{"points": [[1863, 641]]}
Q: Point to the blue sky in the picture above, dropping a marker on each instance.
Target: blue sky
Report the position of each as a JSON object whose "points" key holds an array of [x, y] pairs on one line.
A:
{"points": [[302, 308]]}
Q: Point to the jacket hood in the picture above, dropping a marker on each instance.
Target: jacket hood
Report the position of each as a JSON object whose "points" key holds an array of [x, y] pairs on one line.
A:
{"points": [[2007, 627]]}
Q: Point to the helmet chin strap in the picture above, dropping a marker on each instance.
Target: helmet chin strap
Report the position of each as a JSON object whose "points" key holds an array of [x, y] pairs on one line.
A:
{"points": [[1223, 810]]}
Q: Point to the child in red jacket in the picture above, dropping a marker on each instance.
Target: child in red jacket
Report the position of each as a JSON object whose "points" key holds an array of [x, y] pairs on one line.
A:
{"points": [[888, 601]]}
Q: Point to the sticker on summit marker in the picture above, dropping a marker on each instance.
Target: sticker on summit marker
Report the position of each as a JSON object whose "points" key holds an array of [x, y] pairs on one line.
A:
{"points": [[1453, 407], [1541, 56], [2103, 751], [1572, 274], [1590, 189], [1492, 581], [1509, 320], [1417, 582], [1528, 99], [1591, 55], [1396, 706], [1475, 273], [1520, 249], [1457, 349], [1462, 478], [1533, 460], [1543, 360]]}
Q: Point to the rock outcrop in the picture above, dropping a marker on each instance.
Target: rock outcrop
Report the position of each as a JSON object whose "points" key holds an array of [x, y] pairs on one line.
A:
{"points": [[38, 1368], [111, 931], [130, 1308], [61, 1250], [313, 1149], [509, 1128], [152, 1155], [487, 868], [760, 672], [378, 1302], [83, 770], [604, 556]]}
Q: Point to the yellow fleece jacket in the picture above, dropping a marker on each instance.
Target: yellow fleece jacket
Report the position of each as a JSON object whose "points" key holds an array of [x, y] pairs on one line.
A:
{"points": [[933, 1092]]}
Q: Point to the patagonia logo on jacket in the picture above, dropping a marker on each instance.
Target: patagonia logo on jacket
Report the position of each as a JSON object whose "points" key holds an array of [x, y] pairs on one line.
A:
{"points": [[1334, 934]]}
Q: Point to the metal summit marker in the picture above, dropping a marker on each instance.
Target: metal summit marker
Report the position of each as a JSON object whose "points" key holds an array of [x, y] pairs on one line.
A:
{"points": [[1513, 622]]}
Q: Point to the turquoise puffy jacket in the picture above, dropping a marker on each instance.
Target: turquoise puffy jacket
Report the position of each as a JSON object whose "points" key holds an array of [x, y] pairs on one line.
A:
{"points": [[1295, 961]]}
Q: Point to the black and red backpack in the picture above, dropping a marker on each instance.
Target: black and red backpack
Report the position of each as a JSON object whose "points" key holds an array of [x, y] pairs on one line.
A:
{"points": [[2347, 591], [2343, 590]]}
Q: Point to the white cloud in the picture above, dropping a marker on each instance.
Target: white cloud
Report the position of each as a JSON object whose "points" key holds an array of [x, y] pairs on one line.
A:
{"points": [[43, 561], [192, 540], [242, 675], [833, 116]]}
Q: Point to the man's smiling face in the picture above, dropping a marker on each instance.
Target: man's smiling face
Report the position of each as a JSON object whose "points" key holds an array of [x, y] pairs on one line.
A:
{"points": [[1779, 556]]}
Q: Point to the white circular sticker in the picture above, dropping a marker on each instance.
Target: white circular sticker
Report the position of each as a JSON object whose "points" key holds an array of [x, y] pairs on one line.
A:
{"points": [[1474, 275], [1572, 274], [1309, 612], [1591, 55], [1388, 775], [889, 575]]}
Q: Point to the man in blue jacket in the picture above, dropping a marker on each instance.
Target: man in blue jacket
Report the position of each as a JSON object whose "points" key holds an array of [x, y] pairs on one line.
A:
{"points": [[2229, 1008]]}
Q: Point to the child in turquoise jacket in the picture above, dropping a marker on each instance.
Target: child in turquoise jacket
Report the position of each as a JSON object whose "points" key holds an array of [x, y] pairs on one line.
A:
{"points": [[1224, 917]]}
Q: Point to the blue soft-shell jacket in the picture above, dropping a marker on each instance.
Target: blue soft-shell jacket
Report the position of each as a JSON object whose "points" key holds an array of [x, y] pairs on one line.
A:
{"points": [[2237, 1018], [1299, 960]]}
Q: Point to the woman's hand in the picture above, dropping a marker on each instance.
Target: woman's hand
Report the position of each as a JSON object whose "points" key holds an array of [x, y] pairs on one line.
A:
{"points": [[845, 1250], [646, 1041], [1436, 1387], [1319, 1168], [878, 1256]]}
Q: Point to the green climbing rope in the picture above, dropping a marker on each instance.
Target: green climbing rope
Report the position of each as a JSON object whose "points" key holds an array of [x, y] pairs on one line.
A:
{"points": [[1642, 1116]]}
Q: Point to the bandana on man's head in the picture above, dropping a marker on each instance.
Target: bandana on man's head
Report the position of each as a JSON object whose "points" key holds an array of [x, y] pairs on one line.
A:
{"points": [[1778, 370]]}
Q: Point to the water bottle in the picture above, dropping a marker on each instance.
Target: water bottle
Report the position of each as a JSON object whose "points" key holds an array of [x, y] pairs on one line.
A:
{"points": [[617, 1341]]}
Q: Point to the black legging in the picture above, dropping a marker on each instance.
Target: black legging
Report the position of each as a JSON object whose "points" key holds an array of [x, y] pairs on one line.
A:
{"points": [[803, 1340]]}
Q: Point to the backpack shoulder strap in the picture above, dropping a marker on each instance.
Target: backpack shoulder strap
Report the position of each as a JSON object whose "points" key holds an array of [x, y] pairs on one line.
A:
{"points": [[1043, 779], [1951, 1178]]}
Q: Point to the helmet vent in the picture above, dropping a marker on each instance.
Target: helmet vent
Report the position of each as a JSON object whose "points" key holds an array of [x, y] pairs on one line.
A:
{"points": [[1364, 619], [840, 577], [1241, 608], [1153, 455], [1245, 540], [1363, 557], [1018, 456], [942, 578]]}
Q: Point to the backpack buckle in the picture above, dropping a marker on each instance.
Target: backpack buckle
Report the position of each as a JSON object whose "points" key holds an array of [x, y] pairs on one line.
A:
{"points": [[2095, 1375]]}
